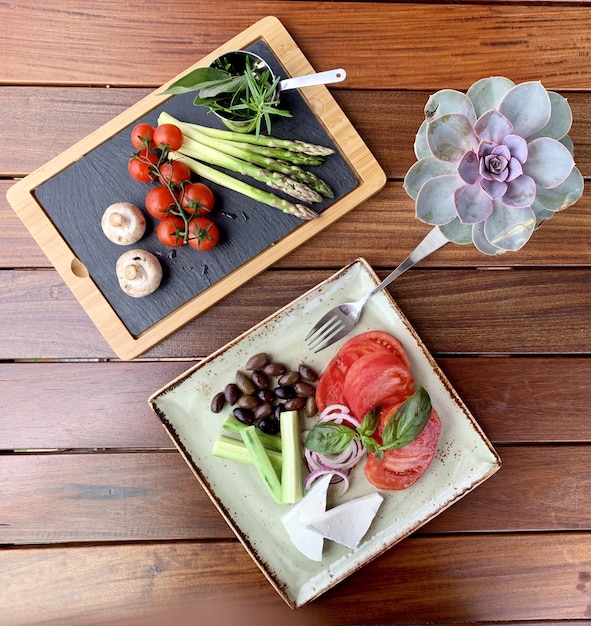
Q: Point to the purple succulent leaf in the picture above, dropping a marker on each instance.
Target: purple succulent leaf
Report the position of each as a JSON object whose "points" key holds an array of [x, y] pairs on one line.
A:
{"points": [[473, 205], [542, 214], [481, 243], [515, 169], [485, 148], [487, 93], [509, 228], [435, 200], [450, 136], [493, 127], [561, 118], [527, 106], [563, 196], [549, 162], [493, 188], [468, 167], [496, 167], [421, 147], [421, 171], [520, 193], [449, 101], [517, 146], [456, 232]]}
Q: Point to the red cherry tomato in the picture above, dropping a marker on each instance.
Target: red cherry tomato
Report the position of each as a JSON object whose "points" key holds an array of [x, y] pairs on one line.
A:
{"points": [[141, 166], [203, 234], [168, 135], [158, 201], [175, 172], [197, 198], [142, 135], [170, 231]]}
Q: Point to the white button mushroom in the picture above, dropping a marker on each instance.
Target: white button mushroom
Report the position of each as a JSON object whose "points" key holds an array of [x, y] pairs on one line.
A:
{"points": [[139, 273], [123, 223]]}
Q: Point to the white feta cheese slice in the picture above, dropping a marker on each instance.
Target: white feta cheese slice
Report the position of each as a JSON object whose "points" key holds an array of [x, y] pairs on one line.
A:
{"points": [[313, 504], [347, 523]]}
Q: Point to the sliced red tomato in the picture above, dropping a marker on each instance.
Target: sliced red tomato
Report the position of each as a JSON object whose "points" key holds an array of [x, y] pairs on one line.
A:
{"points": [[375, 378], [330, 388], [402, 467]]}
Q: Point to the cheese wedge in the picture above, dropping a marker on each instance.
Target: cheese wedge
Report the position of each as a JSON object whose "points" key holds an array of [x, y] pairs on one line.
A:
{"points": [[347, 523], [313, 504]]}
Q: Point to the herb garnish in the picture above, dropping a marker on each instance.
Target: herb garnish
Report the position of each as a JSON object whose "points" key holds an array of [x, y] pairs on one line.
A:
{"points": [[404, 426]]}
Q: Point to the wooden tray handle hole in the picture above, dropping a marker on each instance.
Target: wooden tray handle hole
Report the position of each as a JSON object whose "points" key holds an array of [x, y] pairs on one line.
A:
{"points": [[78, 268]]}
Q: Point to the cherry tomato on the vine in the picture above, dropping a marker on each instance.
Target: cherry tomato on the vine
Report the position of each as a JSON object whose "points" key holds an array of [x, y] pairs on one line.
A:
{"points": [[197, 198], [140, 166], [203, 234], [175, 171], [168, 135], [142, 135], [158, 201], [170, 231]]}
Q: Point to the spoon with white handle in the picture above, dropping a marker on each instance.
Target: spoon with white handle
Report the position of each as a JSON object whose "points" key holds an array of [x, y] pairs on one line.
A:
{"points": [[320, 78]]}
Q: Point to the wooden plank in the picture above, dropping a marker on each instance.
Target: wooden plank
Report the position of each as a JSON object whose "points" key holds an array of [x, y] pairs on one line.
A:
{"points": [[510, 399], [424, 579], [382, 230], [153, 496], [36, 113], [501, 309], [553, 36]]}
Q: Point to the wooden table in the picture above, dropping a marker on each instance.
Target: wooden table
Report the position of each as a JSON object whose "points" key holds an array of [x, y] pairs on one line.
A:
{"points": [[101, 521]]}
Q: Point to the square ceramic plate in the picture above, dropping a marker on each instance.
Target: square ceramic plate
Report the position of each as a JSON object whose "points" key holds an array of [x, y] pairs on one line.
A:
{"points": [[464, 458]]}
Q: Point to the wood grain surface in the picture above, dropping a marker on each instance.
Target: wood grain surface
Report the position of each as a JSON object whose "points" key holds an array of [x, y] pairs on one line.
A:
{"points": [[102, 522]]}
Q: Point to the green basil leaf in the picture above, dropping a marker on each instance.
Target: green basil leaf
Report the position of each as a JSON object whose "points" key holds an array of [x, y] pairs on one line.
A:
{"points": [[327, 438], [369, 423], [370, 444], [408, 421], [193, 81]]}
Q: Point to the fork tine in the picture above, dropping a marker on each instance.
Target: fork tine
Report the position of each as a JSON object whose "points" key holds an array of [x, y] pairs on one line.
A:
{"points": [[321, 324], [330, 333], [319, 331]]}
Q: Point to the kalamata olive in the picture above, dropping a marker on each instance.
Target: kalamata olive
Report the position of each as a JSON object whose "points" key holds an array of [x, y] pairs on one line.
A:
{"points": [[257, 361], [266, 396], [244, 383], [231, 393], [295, 404], [307, 373], [217, 403], [269, 425], [288, 379], [311, 409], [260, 379], [284, 392], [304, 389], [263, 410], [248, 402], [245, 416], [274, 369], [277, 411]]}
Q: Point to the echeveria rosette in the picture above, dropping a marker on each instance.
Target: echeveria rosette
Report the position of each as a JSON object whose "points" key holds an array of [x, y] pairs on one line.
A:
{"points": [[493, 163]]}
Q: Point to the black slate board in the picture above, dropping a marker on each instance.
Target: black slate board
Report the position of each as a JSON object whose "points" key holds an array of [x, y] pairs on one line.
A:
{"points": [[75, 199]]}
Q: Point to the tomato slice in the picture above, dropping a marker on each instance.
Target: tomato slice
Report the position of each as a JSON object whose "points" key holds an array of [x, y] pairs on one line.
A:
{"points": [[375, 378], [330, 388], [402, 467]]}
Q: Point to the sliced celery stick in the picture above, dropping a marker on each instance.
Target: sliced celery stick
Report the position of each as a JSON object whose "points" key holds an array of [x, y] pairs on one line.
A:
{"points": [[262, 462], [232, 425], [292, 480], [235, 450]]}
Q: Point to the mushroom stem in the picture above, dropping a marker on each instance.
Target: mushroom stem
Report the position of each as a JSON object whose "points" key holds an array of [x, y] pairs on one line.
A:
{"points": [[132, 271], [117, 220]]}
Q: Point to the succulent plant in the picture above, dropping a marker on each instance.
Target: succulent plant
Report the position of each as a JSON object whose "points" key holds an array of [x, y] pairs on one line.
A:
{"points": [[493, 163]]}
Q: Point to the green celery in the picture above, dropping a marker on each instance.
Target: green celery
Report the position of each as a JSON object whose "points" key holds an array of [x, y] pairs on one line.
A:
{"points": [[232, 425], [235, 450], [262, 462], [292, 481]]}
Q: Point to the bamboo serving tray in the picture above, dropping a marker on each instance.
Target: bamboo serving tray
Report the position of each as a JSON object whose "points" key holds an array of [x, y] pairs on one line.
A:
{"points": [[63, 215]]}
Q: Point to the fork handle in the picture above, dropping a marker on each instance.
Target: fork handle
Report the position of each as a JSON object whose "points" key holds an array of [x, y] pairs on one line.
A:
{"points": [[432, 241]]}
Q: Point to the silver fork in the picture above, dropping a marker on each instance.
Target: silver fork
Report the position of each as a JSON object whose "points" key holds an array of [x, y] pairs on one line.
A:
{"points": [[341, 320]]}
